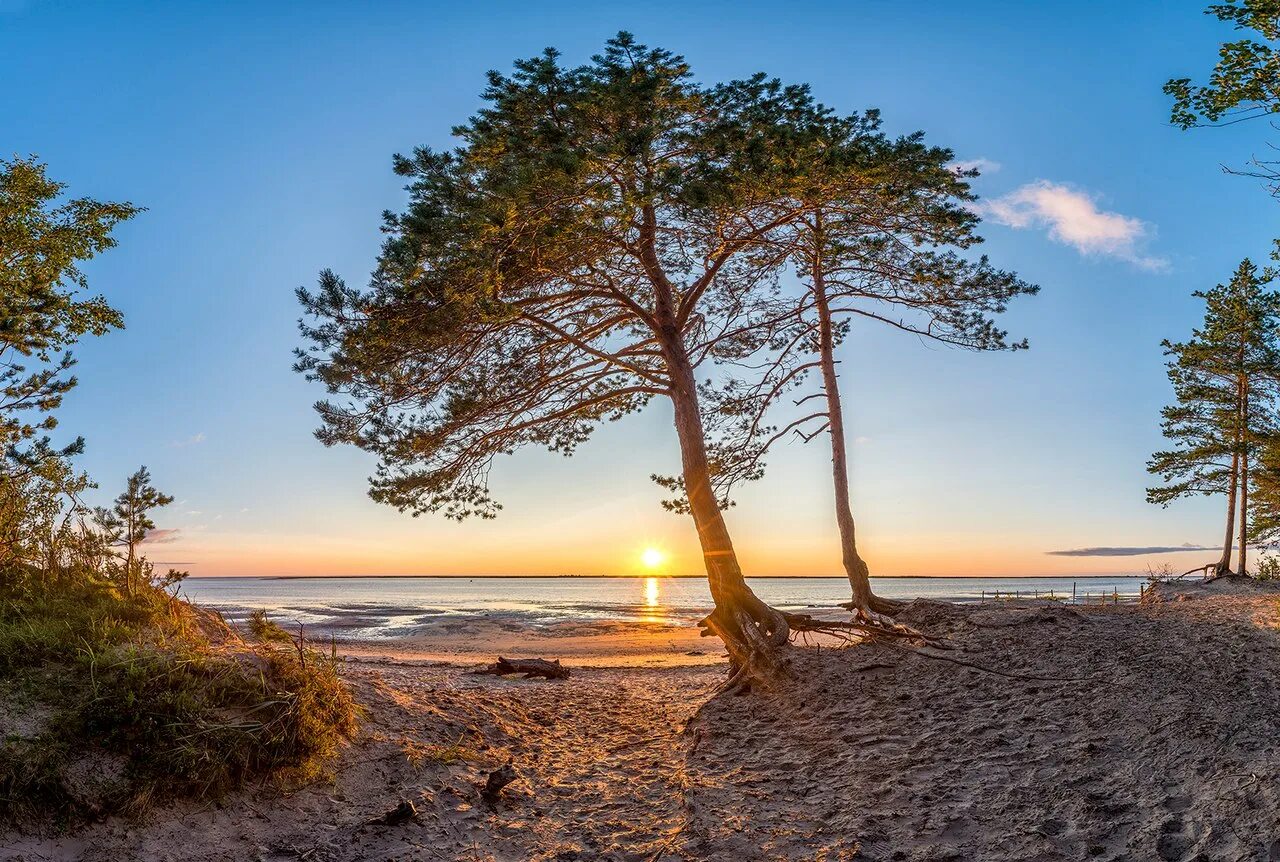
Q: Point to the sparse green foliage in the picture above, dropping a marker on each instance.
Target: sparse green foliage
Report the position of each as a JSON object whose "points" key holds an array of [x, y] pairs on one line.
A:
{"points": [[1245, 83], [125, 526], [1226, 380], [263, 628], [1264, 501], [43, 310], [1268, 568]]}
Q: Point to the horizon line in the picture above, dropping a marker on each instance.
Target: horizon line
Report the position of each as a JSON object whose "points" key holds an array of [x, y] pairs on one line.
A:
{"points": [[703, 576]]}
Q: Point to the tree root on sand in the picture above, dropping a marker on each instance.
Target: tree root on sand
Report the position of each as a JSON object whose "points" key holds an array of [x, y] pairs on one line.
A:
{"points": [[756, 635]]}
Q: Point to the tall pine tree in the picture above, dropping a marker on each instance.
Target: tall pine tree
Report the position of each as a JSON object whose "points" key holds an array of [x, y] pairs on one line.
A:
{"points": [[1225, 379], [602, 237]]}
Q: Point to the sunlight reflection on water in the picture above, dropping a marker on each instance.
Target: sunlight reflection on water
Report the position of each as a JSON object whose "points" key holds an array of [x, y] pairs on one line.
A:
{"points": [[652, 611]]}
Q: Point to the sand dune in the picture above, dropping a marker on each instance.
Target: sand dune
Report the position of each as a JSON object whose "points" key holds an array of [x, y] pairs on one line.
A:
{"points": [[1114, 733]]}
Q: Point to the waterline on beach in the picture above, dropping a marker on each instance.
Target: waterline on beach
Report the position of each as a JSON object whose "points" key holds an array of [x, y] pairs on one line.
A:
{"points": [[391, 608]]}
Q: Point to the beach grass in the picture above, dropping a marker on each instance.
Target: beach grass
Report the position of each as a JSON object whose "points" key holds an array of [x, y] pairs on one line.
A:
{"points": [[112, 702]]}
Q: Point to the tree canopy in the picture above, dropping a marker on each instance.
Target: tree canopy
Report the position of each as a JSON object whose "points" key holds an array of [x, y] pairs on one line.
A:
{"points": [[43, 305], [602, 235], [1226, 379], [1245, 82]]}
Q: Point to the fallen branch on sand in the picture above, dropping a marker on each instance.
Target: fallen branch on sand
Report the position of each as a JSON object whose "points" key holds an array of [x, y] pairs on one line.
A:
{"points": [[530, 667], [402, 813], [986, 669], [498, 779]]}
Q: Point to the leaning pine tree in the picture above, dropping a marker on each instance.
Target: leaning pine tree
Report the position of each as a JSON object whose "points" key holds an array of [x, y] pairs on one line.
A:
{"points": [[1226, 379], [877, 241], [599, 238], [877, 235]]}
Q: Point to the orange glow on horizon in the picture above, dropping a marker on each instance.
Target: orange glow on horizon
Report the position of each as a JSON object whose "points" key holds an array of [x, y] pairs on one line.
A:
{"points": [[475, 551]]}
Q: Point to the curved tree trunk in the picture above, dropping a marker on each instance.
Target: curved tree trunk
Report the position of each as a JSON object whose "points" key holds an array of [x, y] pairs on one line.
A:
{"points": [[856, 568], [751, 630], [1223, 567]]}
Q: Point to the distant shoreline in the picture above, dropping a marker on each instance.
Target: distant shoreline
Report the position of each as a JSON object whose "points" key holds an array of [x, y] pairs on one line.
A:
{"points": [[669, 577]]}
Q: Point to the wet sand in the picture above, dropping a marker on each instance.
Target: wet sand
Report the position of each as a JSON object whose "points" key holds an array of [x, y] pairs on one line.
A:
{"points": [[599, 643]]}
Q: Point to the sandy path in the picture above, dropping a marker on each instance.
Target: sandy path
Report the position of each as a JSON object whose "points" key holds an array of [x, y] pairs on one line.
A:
{"points": [[600, 757], [1153, 735], [1163, 745]]}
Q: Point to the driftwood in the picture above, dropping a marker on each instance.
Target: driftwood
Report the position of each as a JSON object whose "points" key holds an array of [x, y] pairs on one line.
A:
{"points": [[530, 667], [498, 779], [402, 813]]}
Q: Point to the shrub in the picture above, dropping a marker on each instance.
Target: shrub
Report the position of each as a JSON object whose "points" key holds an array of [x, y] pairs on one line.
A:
{"points": [[267, 630], [166, 692]]}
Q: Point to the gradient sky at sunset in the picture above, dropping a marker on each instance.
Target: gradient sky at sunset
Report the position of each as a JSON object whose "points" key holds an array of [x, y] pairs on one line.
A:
{"points": [[260, 135]]}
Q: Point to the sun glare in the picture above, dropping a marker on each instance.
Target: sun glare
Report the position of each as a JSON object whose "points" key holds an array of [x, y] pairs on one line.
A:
{"points": [[652, 558], [651, 592]]}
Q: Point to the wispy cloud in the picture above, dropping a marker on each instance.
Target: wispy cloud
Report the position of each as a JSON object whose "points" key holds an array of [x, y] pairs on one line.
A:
{"points": [[193, 440], [984, 166], [1128, 552], [162, 537], [1072, 217]]}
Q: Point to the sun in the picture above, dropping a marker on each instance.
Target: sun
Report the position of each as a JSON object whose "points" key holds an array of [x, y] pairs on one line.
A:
{"points": [[652, 558]]}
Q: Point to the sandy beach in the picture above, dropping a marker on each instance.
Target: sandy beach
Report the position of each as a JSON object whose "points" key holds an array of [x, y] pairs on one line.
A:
{"points": [[1046, 733], [597, 644]]}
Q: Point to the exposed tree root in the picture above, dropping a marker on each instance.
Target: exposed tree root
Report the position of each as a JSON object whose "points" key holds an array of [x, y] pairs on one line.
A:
{"points": [[1228, 575], [756, 636], [873, 607]]}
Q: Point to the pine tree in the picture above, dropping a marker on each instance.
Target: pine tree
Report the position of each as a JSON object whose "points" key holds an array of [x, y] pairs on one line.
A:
{"points": [[601, 237], [1225, 380], [126, 524], [1245, 82], [877, 244], [881, 227], [42, 307]]}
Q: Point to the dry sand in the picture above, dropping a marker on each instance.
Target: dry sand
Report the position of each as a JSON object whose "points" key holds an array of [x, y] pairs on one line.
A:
{"points": [[1116, 733]]}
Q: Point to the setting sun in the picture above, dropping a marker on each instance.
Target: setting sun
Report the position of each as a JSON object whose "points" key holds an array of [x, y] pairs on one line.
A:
{"points": [[652, 558]]}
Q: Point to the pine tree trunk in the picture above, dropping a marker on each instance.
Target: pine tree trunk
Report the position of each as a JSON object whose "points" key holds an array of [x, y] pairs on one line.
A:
{"points": [[855, 567], [1244, 515], [750, 629], [1244, 477], [1224, 563]]}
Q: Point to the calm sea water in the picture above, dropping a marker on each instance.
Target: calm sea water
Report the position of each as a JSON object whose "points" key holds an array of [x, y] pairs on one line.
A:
{"points": [[393, 607]]}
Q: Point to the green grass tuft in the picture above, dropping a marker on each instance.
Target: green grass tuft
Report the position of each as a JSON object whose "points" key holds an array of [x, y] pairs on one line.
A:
{"points": [[267, 630], [117, 701]]}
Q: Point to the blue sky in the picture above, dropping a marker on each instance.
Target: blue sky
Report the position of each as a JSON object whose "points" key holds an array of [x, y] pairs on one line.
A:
{"points": [[259, 136]]}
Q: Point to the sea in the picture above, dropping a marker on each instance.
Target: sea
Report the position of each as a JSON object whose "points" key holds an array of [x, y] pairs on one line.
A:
{"points": [[372, 608]]}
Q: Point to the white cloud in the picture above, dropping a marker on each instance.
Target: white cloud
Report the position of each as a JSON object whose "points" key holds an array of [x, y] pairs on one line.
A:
{"points": [[984, 166], [1073, 218], [190, 441]]}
